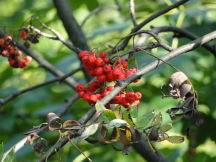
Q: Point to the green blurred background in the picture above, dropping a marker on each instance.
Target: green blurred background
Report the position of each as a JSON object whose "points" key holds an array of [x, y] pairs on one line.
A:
{"points": [[102, 30]]}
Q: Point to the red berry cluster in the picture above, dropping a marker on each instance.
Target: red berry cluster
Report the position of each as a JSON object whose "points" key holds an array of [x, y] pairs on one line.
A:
{"points": [[24, 35], [8, 49], [27, 34], [105, 70]]}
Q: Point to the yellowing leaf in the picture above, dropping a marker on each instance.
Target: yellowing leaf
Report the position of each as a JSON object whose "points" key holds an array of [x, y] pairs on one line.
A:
{"points": [[117, 111]]}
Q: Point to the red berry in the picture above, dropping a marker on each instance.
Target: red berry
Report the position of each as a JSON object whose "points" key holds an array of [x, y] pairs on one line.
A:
{"points": [[5, 53], [109, 77], [24, 35], [130, 97], [106, 60], [81, 94], [103, 54], [101, 78], [93, 98], [107, 68], [2, 42], [8, 38], [116, 71], [91, 60], [121, 76], [86, 97], [138, 95], [99, 71], [80, 88], [110, 88], [99, 62], [83, 53], [21, 65], [27, 59], [19, 53]]}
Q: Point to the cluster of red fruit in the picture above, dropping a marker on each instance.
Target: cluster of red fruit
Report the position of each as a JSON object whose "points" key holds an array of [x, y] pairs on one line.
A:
{"points": [[105, 70], [8, 49], [24, 35]]}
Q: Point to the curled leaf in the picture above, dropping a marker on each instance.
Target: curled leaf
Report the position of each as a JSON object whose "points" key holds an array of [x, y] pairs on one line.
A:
{"points": [[53, 121], [117, 123], [71, 124], [88, 131], [177, 79], [184, 89], [31, 138], [40, 145]]}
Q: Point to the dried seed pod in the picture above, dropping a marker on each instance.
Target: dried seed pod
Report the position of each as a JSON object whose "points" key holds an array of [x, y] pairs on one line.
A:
{"points": [[177, 79], [53, 121], [184, 89]]}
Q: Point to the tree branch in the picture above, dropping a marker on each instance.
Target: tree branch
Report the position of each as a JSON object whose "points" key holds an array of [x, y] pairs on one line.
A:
{"points": [[132, 12], [124, 83], [45, 64], [73, 29], [146, 21], [182, 33], [21, 143], [176, 52]]}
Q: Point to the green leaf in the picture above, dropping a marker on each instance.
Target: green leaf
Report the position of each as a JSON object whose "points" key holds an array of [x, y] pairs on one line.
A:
{"points": [[110, 114], [144, 119], [127, 117], [134, 111], [175, 139], [1, 150], [157, 119], [166, 127], [99, 106]]}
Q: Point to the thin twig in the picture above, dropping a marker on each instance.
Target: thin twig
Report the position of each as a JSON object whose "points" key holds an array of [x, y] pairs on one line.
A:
{"points": [[64, 139], [18, 93], [73, 29], [56, 36], [180, 32], [21, 143], [132, 12], [149, 32], [48, 66], [97, 10], [44, 63], [73, 144], [146, 21]]}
